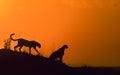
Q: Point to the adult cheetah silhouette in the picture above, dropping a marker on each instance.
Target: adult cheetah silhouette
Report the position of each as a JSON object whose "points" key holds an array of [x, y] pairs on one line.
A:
{"points": [[22, 42], [58, 55]]}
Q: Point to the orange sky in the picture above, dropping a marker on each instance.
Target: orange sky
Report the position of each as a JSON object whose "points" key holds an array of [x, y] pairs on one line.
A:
{"points": [[90, 28]]}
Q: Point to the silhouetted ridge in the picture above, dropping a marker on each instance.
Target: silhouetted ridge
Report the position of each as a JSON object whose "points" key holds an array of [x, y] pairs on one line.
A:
{"points": [[18, 63], [21, 63], [18, 57]]}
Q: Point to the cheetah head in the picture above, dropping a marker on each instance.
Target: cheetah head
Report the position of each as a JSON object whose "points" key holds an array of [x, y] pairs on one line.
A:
{"points": [[65, 46]]}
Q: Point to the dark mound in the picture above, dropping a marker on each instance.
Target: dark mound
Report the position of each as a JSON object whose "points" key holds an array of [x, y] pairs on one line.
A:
{"points": [[18, 63]]}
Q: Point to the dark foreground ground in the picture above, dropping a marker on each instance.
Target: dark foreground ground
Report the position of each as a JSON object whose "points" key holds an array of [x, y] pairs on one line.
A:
{"points": [[16, 63]]}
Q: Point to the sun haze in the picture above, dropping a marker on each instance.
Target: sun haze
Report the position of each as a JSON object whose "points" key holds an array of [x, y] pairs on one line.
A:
{"points": [[89, 28]]}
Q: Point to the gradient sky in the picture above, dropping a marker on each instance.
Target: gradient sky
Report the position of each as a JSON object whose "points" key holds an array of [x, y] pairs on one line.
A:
{"points": [[91, 28]]}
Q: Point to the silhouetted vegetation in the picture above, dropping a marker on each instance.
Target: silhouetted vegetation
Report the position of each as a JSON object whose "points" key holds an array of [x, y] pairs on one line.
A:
{"points": [[7, 43]]}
